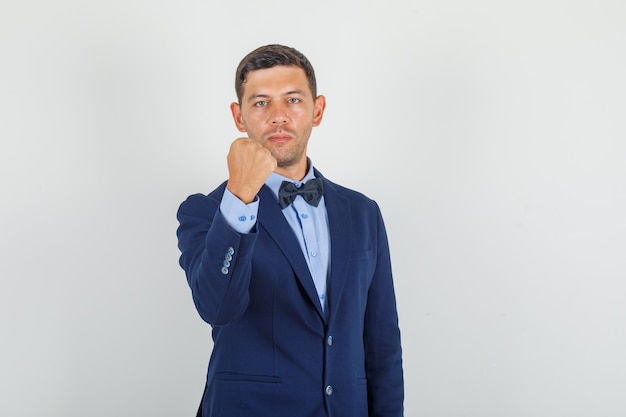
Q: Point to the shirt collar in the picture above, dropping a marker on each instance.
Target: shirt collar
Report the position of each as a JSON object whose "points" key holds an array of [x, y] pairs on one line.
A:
{"points": [[274, 180]]}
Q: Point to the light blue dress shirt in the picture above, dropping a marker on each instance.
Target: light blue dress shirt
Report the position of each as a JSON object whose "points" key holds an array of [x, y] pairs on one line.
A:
{"points": [[309, 224]]}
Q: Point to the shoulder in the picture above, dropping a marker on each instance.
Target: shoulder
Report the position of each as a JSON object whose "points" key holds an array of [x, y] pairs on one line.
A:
{"points": [[343, 199], [352, 195]]}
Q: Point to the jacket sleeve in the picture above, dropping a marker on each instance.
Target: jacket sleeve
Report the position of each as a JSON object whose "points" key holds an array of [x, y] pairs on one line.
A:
{"points": [[383, 352], [216, 260]]}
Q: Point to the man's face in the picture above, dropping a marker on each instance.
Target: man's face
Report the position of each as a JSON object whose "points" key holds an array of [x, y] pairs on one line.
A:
{"points": [[278, 110]]}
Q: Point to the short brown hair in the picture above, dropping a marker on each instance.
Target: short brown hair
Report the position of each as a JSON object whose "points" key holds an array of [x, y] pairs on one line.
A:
{"points": [[269, 56]]}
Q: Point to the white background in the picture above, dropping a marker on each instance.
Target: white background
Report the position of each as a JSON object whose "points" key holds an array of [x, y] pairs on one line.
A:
{"points": [[492, 134]]}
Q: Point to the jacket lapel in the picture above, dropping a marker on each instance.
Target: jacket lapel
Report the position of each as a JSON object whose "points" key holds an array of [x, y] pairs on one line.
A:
{"points": [[338, 209], [272, 220]]}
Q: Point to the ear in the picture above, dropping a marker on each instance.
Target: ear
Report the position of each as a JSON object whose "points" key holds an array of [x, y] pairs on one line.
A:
{"points": [[235, 109], [318, 110]]}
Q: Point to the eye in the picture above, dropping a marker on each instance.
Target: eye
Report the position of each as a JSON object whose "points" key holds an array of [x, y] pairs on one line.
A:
{"points": [[261, 103], [293, 100]]}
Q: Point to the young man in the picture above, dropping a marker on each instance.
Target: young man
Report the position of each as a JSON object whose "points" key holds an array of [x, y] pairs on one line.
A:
{"points": [[291, 270]]}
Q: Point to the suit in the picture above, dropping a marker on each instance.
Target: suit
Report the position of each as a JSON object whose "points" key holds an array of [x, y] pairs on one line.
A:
{"points": [[276, 352]]}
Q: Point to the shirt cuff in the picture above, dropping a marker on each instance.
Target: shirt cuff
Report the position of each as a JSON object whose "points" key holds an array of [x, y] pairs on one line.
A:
{"points": [[239, 216]]}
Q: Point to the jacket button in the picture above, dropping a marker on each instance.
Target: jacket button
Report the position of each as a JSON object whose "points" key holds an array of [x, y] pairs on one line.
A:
{"points": [[231, 250], [225, 271], [329, 390], [329, 340]]}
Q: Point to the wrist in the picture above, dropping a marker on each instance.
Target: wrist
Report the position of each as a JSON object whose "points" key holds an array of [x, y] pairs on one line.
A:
{"points": [[245, 194]]}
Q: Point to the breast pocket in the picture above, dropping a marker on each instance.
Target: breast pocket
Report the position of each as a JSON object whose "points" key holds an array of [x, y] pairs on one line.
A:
{"points": [[362, 266]]}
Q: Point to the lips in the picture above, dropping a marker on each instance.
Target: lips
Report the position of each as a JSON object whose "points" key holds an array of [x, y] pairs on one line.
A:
{"points": [[279, 137]]}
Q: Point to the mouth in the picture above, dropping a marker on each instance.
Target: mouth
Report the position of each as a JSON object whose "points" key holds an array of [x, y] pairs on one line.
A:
{"points": [[279, 138]]}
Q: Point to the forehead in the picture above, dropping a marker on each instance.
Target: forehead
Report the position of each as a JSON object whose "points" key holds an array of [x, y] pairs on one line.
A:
{"points": [[277, 80]]}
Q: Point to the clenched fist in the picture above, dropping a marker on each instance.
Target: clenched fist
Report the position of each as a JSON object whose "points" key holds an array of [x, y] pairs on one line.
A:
{"points": [[249, 165]]}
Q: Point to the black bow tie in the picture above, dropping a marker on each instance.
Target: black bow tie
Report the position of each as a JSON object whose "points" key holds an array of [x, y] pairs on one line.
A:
{"points": [[311, 191]]}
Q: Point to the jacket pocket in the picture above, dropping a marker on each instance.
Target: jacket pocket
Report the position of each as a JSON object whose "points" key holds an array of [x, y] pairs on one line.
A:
{"points": [[365, 255], [231, 376]]}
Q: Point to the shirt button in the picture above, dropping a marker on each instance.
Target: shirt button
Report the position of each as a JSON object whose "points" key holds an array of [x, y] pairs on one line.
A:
{"points": [[329, 340], [313, 253], [329, 390], [242, 218], [304, 216]]}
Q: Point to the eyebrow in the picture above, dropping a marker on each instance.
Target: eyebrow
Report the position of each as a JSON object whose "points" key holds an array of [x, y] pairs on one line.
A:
{"points": [[266, 96]]}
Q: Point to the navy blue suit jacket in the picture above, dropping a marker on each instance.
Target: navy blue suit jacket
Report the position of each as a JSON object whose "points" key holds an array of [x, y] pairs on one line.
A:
{"points": [[276, 353]]}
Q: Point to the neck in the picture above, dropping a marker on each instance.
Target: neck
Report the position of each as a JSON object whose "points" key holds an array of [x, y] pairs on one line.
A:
{"points": [[294, 172]]}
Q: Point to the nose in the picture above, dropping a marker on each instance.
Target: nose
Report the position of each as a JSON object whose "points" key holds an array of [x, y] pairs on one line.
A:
{"points": [[278, 115]]}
